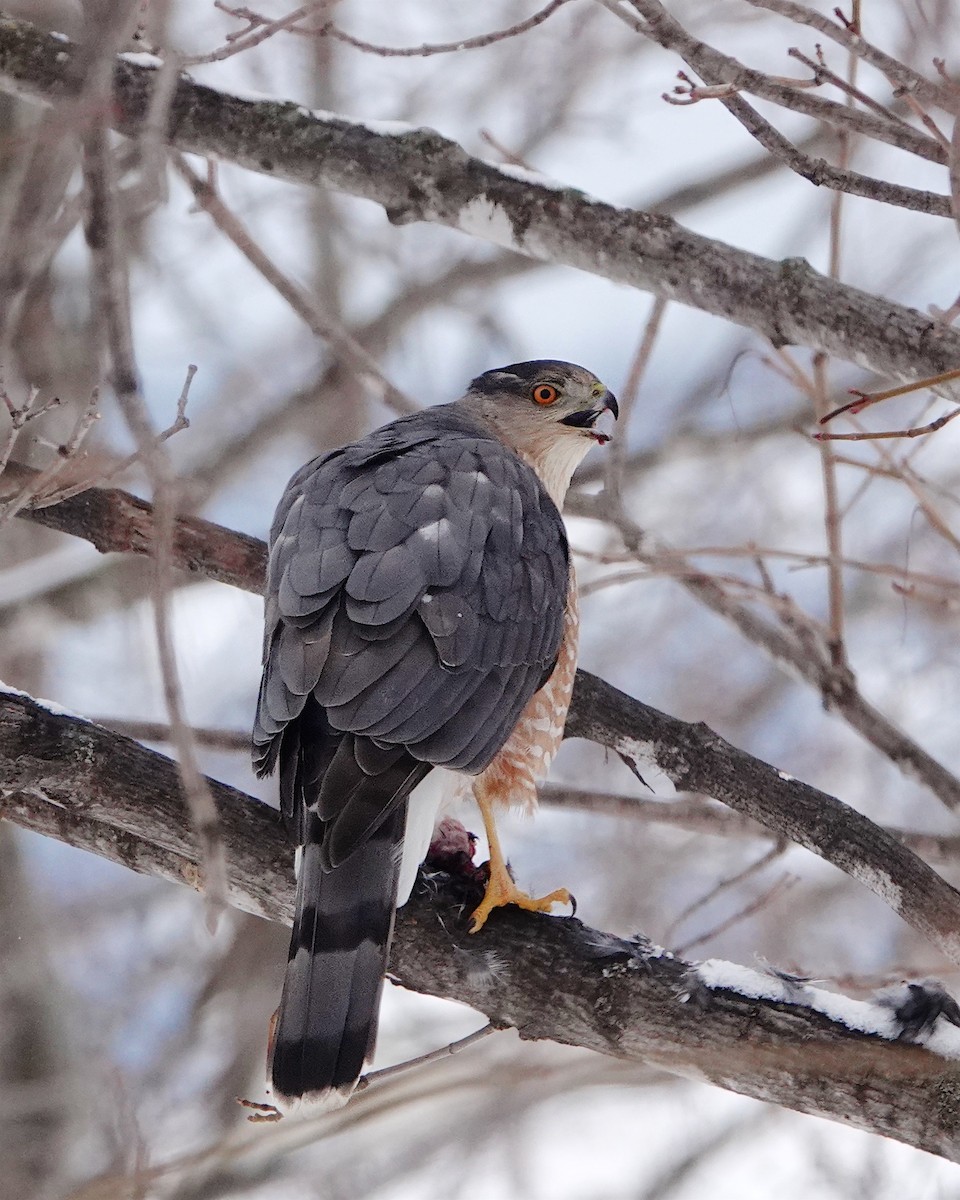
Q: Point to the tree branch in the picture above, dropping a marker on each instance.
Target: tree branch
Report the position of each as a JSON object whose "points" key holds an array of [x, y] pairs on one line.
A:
{"points": [[693, 757], [117, 522], [788, 646], [417, 175], [899, 74], [548, 978], [698, 760], [717, 68]]}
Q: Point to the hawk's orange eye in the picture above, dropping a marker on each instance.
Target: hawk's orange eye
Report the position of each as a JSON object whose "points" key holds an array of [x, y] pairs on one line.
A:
{"points": [[544, 393]]}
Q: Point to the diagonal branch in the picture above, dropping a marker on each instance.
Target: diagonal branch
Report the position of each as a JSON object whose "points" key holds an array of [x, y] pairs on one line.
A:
{"points": [[653, 21], [555, 978], [901, 75], [118, 523], [790, 647], [418, 175], [115, 521]]}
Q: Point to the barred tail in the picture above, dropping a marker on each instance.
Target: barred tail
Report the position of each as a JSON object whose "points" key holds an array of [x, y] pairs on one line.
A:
{"points": [[327, 1023]]}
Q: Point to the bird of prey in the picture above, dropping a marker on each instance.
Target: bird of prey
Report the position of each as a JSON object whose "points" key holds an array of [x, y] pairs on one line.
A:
{"points": [[420, 612]]}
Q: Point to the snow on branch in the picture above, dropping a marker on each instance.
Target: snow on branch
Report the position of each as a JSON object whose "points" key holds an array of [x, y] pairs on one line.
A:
{"points": [[419, 175], [891, 1066]]}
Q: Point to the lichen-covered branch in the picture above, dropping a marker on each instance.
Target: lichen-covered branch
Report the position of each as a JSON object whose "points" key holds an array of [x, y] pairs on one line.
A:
{"points": [[554, 978], [418, 175]]}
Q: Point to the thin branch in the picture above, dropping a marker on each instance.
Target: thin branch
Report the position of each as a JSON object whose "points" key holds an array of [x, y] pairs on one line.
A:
{"points": [[159, 731], [823, 74], [767, 897], [110, 287], [613, 479], [865, 436], [47, 494], [954, 172], [815, 170], [427, 49], [717, 68], [866, 399], [40, 483], [257, 33], [901, 75], [328, 29], [792, 648], [438, 1055], [343, 343], [831, 506], [919, 488], [723, 885]]}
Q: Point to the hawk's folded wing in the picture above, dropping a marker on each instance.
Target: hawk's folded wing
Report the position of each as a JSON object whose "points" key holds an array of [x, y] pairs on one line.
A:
{"points": [[416, 592]]}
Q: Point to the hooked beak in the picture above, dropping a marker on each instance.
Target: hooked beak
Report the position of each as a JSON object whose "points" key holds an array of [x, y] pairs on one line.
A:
{"points": [[587, 418]]}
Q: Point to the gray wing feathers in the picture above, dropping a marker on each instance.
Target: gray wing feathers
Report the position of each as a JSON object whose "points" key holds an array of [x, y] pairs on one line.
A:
{"points": [[416, 589]]}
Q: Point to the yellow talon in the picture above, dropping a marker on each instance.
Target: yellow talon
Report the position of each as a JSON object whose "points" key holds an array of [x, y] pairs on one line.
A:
{"points": [[501, 890], [499, 894]]}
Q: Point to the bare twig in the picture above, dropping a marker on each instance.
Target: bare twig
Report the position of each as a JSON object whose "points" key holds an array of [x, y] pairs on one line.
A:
{"points": [[328, 29], [920, 490], [831, 508], [159, 731], [865, 399], [821, 173], [800, 650], [431, 1056], [342, 342], [19, 416], [954, 172], [913, 432], [776, 889], [723, 885], [613, 481], [653, 21], [111, 306], [919, 111], [903, 76], [506, 155], [823, 74], [107, 474], [711, 65], [257, 32], [40, 489]]}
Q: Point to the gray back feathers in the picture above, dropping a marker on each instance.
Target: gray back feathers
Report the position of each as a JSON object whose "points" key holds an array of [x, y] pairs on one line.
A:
{"points": [[416, 590]]}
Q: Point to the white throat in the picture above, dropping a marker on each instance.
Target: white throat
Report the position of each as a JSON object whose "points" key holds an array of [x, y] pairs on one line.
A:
{"points": [[556, 462]]}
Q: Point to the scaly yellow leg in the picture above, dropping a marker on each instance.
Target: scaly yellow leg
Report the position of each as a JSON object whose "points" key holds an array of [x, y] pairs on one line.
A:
{"points": [[501, 889]]}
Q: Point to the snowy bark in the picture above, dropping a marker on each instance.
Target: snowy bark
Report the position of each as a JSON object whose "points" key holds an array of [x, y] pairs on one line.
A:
{"points": [[546, 977], [419, 175]]}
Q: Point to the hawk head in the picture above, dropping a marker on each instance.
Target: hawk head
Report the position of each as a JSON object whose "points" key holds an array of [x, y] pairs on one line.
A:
{"points": [[547, 412]]}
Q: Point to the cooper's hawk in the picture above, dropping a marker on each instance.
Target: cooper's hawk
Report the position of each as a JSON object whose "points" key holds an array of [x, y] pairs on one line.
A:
{"points": [[420, 612]]}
